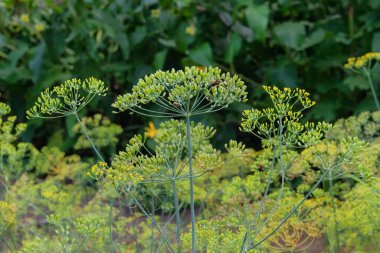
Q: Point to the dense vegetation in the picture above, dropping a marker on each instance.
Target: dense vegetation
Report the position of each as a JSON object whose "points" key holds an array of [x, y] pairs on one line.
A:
{"points": [[119, 146], [290, 43]]}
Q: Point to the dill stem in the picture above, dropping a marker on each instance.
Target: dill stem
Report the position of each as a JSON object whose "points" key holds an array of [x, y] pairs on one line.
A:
{"points": [[192, 210]]}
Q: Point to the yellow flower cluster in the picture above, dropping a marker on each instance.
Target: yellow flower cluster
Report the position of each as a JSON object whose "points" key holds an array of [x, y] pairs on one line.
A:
{"points": [[362, 61], [98, 170], [151, 131], [191, 30], [7, 216], [24, 18], [122, 174], [155, 13], [295, 236], [279, 96]]}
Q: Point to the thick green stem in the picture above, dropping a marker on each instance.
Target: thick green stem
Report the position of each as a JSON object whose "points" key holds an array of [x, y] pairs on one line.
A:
{"points": [[373, 90], [177, 216], [190, 159]]}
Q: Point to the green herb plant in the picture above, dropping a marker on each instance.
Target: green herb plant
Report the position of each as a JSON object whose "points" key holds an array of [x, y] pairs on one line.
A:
{"points": [[365, 65], [182, 150], [14, 158], [280, 128], [184, 94]]}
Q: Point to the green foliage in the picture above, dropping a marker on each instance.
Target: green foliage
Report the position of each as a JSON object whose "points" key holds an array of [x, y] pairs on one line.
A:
{"points": [[359, 223], [277, 199], [7, 217], [14, 157], [217, 235], [45, 42], [85, 227], [365, 126]]}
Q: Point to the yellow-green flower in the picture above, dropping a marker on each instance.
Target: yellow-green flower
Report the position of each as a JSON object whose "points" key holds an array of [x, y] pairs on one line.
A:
{"points": [[24, 18], [362, 61], [155, 13], [191, 30], [151, 130], [39, 28]]}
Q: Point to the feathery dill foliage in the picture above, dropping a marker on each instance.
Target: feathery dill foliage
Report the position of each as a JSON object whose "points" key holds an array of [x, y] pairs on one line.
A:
{"points": [[85, 228], [67, 98], [365, 126], [9, 130], [186, 92], [281, 124], [14, 157], [7, 217]]}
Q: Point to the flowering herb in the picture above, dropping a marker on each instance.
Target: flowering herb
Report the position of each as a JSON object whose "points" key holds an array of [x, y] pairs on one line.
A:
{"points": [[365, 65]]}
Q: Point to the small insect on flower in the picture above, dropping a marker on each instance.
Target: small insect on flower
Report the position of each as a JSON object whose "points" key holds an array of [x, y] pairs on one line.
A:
{"points": [[216, 82], [151, 130]]}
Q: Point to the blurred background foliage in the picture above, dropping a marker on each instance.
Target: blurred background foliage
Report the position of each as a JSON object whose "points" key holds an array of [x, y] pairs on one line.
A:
{"points": [[294, 43]]}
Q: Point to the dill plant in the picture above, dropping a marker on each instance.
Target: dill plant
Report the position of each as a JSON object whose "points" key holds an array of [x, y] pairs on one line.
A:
{"points": [[183, 94], [280, 129], [14, 158], [85, 228], [365, 65], [69, 99], [138, 168], [182, 150]]}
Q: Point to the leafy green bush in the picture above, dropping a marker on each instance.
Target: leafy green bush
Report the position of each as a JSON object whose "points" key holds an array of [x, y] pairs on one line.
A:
{"points": [[300, 44]]}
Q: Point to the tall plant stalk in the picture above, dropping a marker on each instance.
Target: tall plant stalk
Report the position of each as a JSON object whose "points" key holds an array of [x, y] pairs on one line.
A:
{"points": [[370, 82], [184, 93], [190, 161], [280, 127], [177, 215], [97, 152], [337, 241]]}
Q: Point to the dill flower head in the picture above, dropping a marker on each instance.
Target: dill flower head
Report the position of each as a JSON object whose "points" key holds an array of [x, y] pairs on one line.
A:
{"points": [[67, 98], [25, 18], [362, 61], [191, 91], [39, 28], [285, 115], [7, 216], [191, 30], [155, 13]]}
